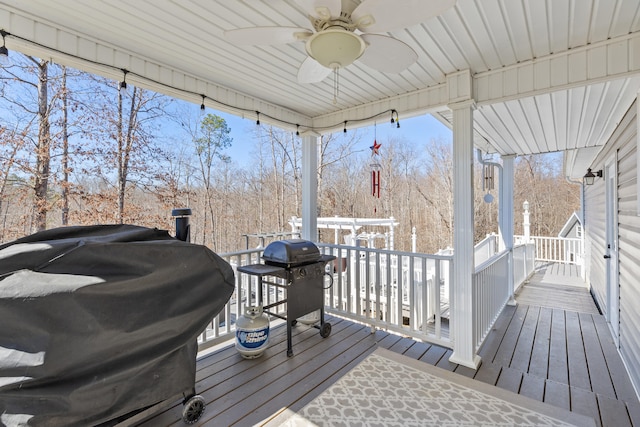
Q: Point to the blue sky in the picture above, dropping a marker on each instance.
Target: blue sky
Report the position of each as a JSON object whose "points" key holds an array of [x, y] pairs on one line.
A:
{"points": [[416, 130]]}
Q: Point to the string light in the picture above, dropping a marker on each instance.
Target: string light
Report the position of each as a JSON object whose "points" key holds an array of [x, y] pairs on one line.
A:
{"points": [[396, 120], [123, 83], [4, 52], [242, 111], [202, 107], [297, 130]]}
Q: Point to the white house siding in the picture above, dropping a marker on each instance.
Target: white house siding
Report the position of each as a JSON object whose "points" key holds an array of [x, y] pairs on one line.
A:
{"points": [[594, 220], [623, 145]]}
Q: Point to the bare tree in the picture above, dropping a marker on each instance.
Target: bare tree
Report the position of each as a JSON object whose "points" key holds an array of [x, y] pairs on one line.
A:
{"points": [[209, 146]]}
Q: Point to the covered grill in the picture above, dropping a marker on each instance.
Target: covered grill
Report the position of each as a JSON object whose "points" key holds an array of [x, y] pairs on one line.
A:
{"points": [[302, 267]]}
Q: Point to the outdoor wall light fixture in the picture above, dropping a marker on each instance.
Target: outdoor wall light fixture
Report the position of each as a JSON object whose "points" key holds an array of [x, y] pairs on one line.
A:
{"points": [[4, 52], [589, 177]]}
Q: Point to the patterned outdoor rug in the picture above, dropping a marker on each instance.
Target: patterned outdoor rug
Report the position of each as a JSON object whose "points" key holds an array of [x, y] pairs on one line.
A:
{"points": [[388, 389]]}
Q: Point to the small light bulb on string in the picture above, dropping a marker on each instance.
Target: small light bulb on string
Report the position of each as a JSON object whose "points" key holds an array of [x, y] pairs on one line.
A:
{"points": [[297, 130], [123, 84], [345, 127], [4, 52], [397, 119], [258, 119], [202, 107]]}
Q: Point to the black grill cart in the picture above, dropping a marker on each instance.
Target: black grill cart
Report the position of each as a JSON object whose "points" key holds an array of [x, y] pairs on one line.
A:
{"points": [[301, 267], [100, 322]]}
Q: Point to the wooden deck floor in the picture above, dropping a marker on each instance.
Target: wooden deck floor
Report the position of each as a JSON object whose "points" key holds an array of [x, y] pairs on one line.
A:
{"points": [[558, 353]]}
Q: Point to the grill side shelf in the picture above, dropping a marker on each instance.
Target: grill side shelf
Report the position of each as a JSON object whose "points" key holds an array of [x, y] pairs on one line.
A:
{"points": [[264, 270]]}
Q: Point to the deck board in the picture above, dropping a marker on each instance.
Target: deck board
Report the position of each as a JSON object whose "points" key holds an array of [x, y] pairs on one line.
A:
{"points": [[613, 412], [558, 363], [558, 394], [539, 362], [532, 387], [598, 371], [504, 354], [585, 403], [510, 379], [551, 354], [578, 371], [617, 372], [524, 346]]}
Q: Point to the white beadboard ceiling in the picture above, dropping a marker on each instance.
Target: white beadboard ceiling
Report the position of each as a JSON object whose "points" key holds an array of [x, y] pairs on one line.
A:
{"points": [[546, 75]]}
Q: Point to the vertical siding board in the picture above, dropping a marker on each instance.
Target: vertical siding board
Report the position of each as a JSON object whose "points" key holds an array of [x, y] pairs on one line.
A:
{"points": [[629, 256]]}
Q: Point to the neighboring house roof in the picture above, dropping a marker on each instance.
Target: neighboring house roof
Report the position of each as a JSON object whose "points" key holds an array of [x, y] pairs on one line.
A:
{"points": [[571, 222]]}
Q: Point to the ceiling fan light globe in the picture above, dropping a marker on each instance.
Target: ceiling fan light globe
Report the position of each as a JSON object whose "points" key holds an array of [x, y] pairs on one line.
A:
{"points": [[335, 47]]}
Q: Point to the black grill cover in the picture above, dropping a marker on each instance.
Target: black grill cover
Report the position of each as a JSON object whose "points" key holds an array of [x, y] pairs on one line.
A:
{"points": [[96, 322]]}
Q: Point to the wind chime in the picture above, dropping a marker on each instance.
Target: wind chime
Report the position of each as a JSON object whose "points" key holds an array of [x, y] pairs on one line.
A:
{"points": [[375, 171], [488, 174]]}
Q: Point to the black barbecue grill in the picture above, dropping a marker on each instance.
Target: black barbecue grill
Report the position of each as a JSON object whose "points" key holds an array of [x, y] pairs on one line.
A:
{"points": [[301, 266]]}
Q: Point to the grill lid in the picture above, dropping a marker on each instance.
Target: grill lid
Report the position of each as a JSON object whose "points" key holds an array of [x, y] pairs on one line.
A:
{"points": [[291, 252]]}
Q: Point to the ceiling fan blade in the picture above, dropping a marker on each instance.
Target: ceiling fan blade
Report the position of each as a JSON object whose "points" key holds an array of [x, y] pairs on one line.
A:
{"points": [[387, 54], [267, 35], [324, 9], [311, 71], [380, 16]]}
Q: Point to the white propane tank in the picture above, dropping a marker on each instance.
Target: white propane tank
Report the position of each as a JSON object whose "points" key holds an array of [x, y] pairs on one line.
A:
{"points": [[311, 318], [252, 332]]}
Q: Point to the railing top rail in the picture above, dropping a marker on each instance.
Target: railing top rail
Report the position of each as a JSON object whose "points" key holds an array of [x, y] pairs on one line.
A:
{"points": [[550, 238], [386, 251], [491, 260], [241, 252]]}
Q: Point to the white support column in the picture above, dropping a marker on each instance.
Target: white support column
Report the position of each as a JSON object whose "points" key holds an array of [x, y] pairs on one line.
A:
{"points": [[506, 217], [310, 187], [462, 327]]}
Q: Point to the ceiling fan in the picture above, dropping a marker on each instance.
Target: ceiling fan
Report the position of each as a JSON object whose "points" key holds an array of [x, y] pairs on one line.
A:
{"points": [[344, 31]]}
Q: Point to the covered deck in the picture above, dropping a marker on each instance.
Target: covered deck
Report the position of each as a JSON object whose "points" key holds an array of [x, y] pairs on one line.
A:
{"points": [[551, 350]]}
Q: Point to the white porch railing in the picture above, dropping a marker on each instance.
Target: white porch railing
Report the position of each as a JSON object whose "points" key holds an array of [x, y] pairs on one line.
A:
{"points": [[364, 289], [491, 287], [405, 292], [523, 264], [485, 249], [556, 249]]}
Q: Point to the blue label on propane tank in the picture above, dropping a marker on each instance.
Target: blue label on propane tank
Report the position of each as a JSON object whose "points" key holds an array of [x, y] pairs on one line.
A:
{"points": [[254, 338]]}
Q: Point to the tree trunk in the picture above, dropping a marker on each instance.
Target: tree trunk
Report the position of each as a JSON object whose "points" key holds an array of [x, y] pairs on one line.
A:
{"points": [[43, 151], [65, 150]]}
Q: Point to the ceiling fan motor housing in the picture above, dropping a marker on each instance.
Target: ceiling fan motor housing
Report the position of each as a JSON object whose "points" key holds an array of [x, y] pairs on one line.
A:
{"points": [[335, 47]]}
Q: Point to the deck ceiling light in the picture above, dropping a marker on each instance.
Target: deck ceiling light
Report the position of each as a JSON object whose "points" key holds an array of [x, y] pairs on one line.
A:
{"points": [[590, 177]]}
